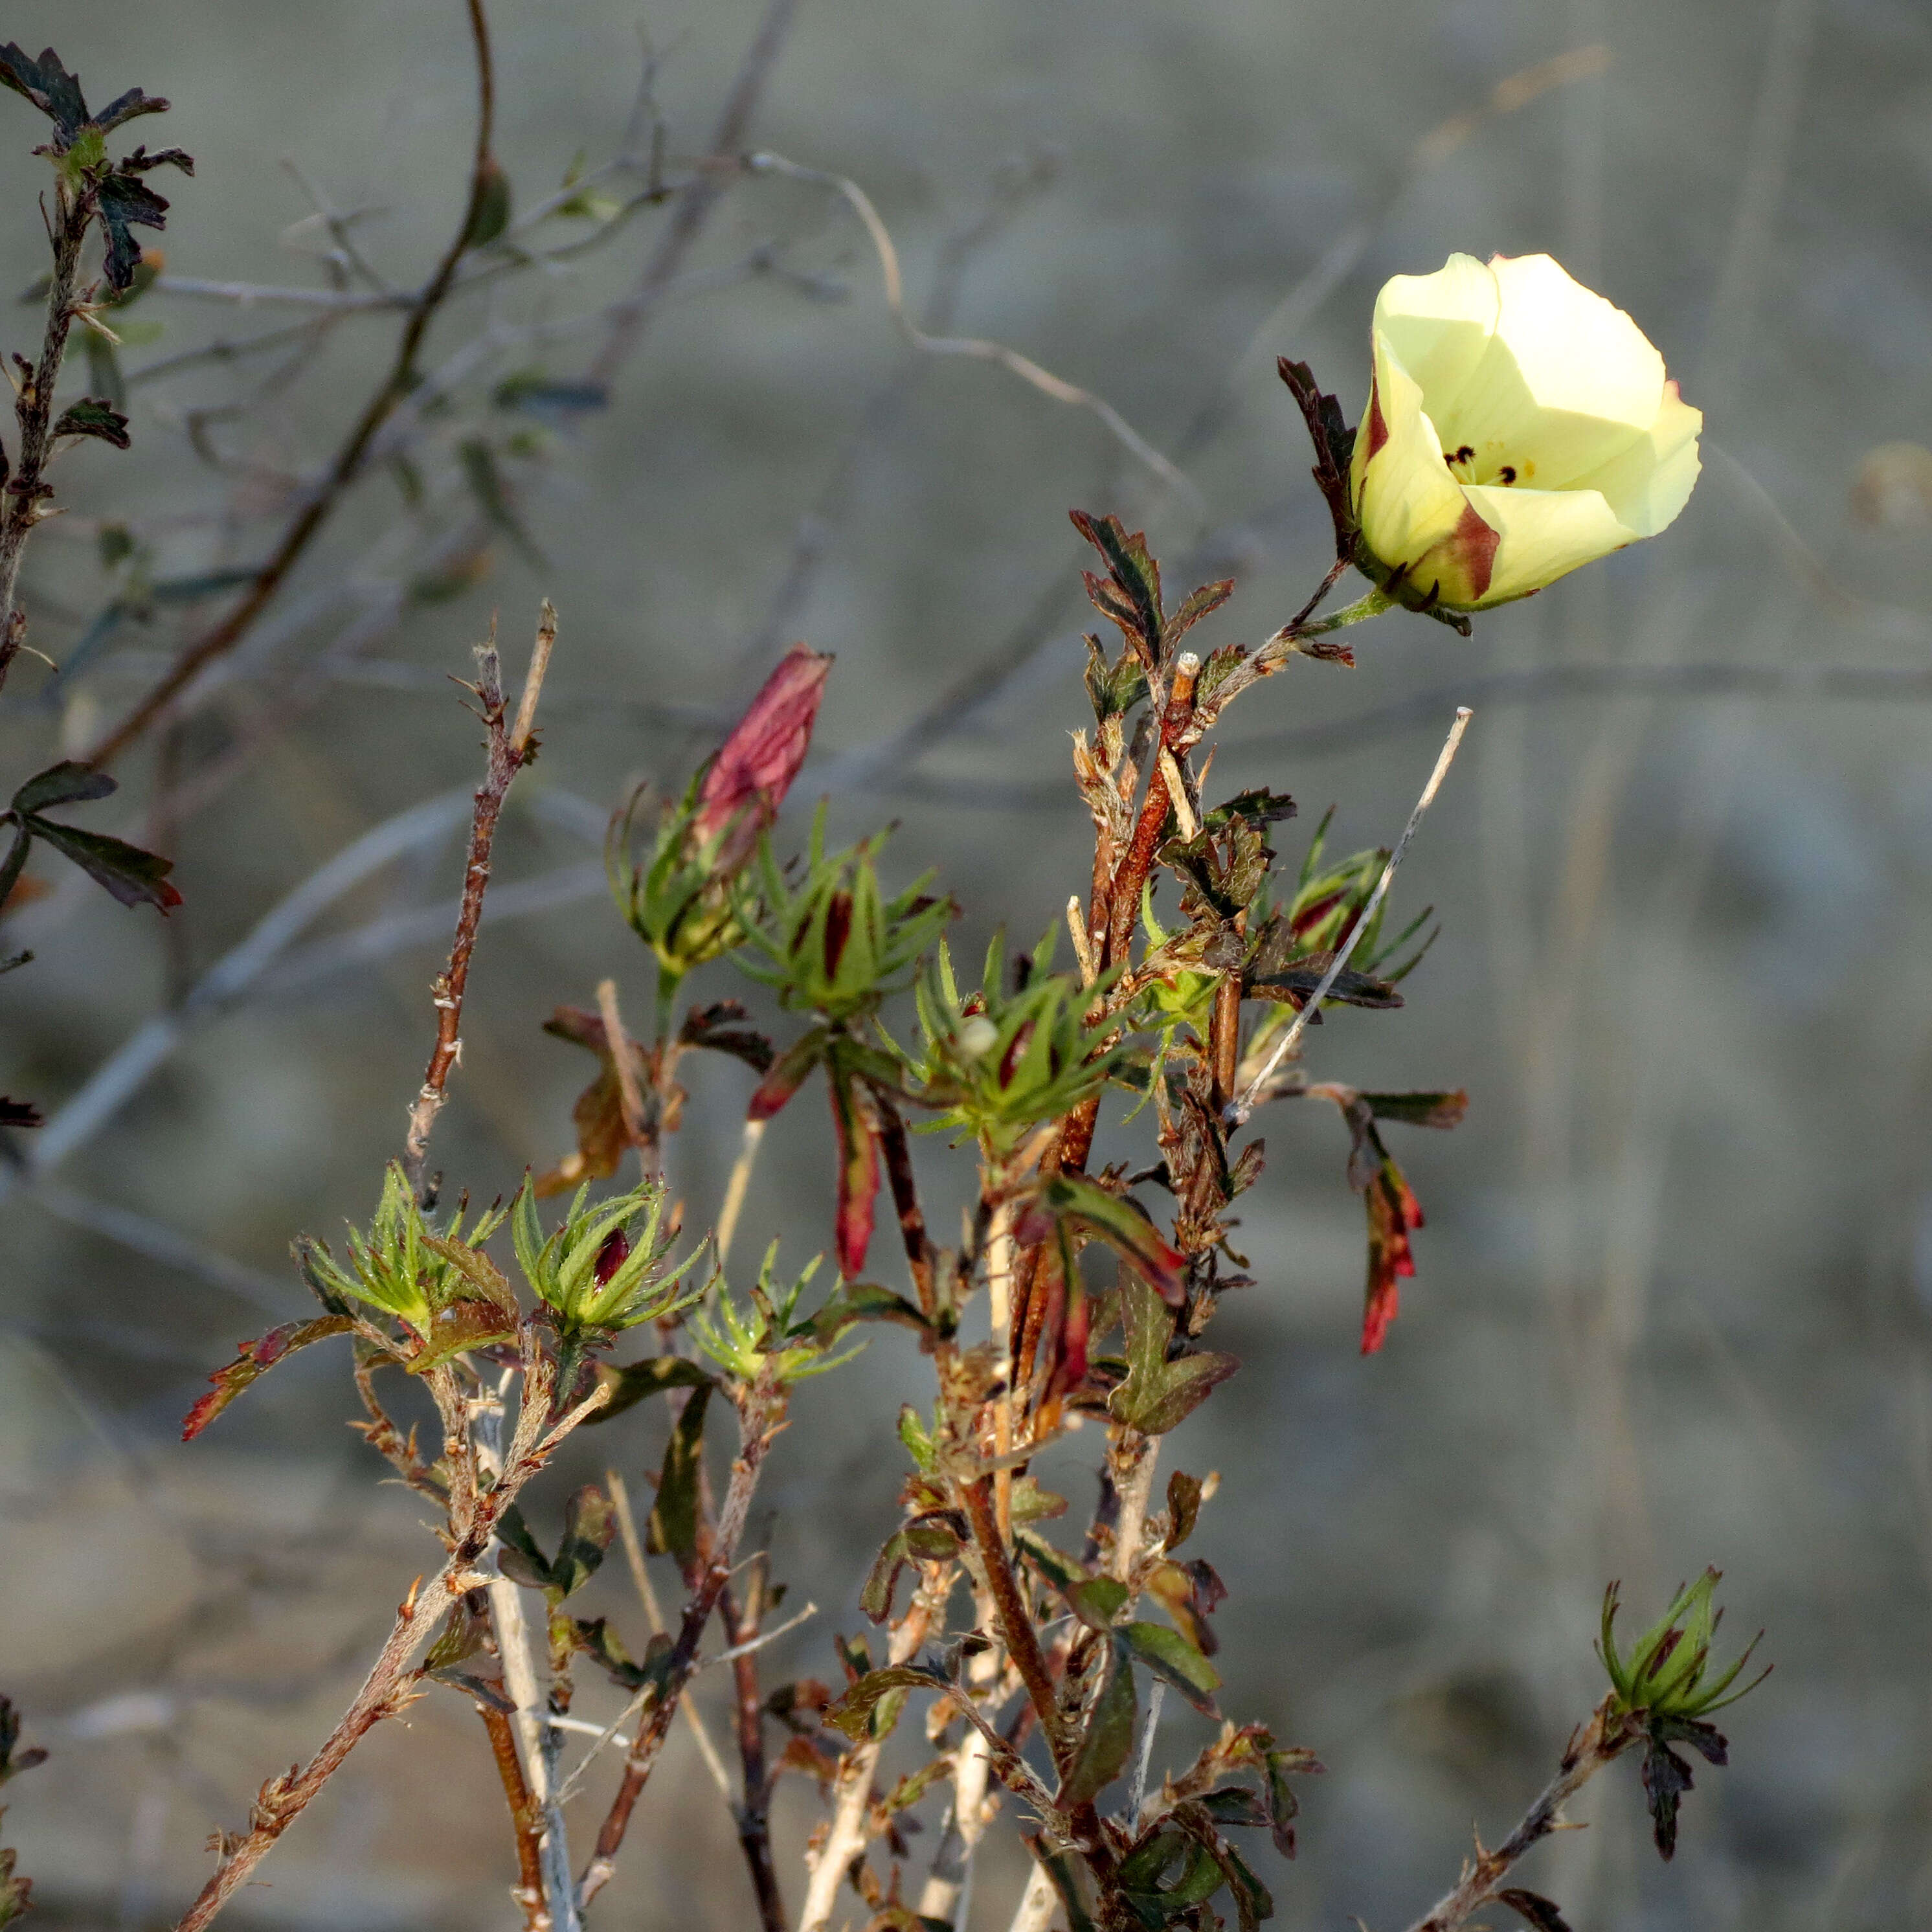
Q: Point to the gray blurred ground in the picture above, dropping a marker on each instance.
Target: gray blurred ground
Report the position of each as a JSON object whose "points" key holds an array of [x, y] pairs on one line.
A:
{"points": [[1675, 1292]]}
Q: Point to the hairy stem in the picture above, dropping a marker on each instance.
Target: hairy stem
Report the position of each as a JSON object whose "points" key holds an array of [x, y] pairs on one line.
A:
{"points": [[508, 749], [1606, 1736], [1016, 1629], [33, 411], [759, 1420]]}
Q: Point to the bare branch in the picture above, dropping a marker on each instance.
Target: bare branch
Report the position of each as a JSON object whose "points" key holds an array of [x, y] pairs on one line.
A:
{"points": [[348, 463], [507, 753]]}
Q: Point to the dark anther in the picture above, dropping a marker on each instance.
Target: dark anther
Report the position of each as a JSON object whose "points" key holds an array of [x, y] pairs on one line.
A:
{"points": [[1508, 472]]}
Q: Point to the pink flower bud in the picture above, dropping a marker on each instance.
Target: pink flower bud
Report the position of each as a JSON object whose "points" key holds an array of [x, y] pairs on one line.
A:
{"points": [[756, 764]]}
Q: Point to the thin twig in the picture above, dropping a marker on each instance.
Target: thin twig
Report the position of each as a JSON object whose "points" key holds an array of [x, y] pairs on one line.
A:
{"points": [[506, 758], [695, 202], [33, 411], [759, 1421], [849, 1828], [1603, 1738], [977, 347], [1239, 1111], [348, 463]]}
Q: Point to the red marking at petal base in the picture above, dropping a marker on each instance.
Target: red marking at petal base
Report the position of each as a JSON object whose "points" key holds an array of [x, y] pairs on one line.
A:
{"points": [[1474, 544], [1378, 428]]}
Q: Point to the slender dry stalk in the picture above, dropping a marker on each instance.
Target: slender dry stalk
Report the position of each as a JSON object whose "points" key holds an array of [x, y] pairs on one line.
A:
{"points": [[1239, 1111], [849, 1830]]}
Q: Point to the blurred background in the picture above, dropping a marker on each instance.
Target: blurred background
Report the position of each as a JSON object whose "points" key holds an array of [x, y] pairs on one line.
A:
{"points": [[1675, 1295]]}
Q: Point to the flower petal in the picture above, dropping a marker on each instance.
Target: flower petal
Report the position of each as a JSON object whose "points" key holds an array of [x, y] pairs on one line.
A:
{"points": [[1439, 326], [1651, 480], [1568, 383], [1405, 499], [1544, 534]]}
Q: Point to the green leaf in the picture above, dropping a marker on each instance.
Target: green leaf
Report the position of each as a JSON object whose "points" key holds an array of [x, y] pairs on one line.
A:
{"points": [[521, 1557], [1108, 1738], [590, 1522], [92, 416], [631, 1383], [47, 84], [594, 1637], [1058, 1568], [1441, 1111], [256, 1359], [1118, 1223], [793, 1066], [126, 202], [11, 867], [865, 1301], [854, 1713], [69, 782], [673, 1528], [490, 213], [1097, 1601], [133, 876], [1170, 1656], [1158, 1393]]}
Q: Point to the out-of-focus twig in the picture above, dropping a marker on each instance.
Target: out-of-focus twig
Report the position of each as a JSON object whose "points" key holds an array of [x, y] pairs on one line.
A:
{"points": [[395, 386], [979, 348], [696, 202]]}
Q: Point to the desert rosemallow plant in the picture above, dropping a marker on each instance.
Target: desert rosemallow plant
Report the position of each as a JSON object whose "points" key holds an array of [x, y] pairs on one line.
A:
{"points": [[1518, 425]]}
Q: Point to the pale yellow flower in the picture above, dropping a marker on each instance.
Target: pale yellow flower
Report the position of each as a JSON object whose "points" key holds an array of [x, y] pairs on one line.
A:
{"points": [[1518, 425]]}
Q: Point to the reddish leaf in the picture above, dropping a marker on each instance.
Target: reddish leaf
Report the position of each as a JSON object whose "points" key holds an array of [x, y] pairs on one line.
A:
{"points": [[755, 766], [787, 1076], [256, 1359], [1394, 1213], [858, 1175]]}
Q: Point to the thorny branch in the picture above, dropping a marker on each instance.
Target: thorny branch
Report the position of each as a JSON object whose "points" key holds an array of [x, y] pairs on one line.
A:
{"points": [[510, 748]]}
